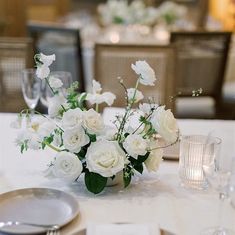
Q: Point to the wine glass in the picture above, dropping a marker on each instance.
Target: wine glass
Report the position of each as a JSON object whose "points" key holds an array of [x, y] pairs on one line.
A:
{"points": [[65, 77], [217, 171], [31, 88]]}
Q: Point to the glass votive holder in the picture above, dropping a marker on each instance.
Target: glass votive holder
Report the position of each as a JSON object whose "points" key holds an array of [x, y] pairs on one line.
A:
{"points": [[195, 152]]}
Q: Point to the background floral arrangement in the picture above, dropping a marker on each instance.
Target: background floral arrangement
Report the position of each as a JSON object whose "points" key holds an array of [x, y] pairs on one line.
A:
{"points": [[120, 12], [80, 138]]}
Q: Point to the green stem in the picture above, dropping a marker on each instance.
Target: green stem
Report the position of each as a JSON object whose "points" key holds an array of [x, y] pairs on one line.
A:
{"points": [[97, 108], [52, 147], [126, 115]]}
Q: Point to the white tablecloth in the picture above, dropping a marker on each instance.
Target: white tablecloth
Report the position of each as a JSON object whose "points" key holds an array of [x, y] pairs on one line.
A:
{"points": [[152, 198]]}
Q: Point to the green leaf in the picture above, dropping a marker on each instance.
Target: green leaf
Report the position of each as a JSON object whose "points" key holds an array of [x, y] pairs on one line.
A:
{"points": [[92, 137], [139, 167], [95, 183], [142, 158]]}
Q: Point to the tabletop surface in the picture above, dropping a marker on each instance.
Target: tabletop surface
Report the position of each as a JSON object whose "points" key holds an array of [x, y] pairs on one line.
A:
{"points": [[151, 198]]}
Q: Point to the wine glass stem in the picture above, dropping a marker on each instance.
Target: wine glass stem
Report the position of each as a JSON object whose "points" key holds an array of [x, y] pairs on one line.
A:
{"points": [[222, 198], [32, 112]]}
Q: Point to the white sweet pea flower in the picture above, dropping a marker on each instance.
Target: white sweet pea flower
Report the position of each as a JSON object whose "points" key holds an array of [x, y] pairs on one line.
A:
{"points": [[154, 159], [147, 107], [42, 71], [96, 87], [96, 97], [146, 73], [138, 95], [93, 122], [55, 83], [135, 145], [67, 166], [72, 118], [54, 105], [32, 138], [47, 60], [74, 139], [165, 124], [105, 158]]}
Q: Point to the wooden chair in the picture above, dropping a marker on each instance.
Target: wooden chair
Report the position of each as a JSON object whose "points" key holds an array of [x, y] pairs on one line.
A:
{"points": [[201, 63], [67, 42], [114, 60], [15, 55]]}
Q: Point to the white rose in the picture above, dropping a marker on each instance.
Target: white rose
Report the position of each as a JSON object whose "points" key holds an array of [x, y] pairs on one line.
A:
{"points": [[105, 158], [147, 74], [154, 159], [135, 145], [42, 71], [72, 118], [165, 124], [67, 166], [54, 105], [93, 122], [47, 60], [55, 83], [74, 139], [138, 95]]}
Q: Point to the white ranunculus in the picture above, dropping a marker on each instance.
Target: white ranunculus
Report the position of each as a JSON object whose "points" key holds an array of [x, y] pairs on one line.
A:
{"points": [[154, 159], [42, 71], [93, 122], [67, 166], [55, 83], [74, 139], [72, 118], [108, 133], [146, 73], [135, 145], [47, 60], [138, 95], [165, 124], [54, 105], [105, 158]]}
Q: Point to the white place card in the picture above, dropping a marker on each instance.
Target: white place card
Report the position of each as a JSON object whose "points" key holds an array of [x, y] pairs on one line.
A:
{"points": [[121, 229]]}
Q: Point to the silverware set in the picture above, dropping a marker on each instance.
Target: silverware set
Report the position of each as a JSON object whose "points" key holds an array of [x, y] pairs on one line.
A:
{"points": [[49, 229]]}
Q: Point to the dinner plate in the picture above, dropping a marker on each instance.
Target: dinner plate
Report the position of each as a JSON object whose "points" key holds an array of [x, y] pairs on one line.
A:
{"points": [[39, 206]]}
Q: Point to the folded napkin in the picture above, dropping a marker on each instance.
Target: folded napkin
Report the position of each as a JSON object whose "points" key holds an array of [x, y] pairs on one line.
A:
{"points": [[122, 229]]}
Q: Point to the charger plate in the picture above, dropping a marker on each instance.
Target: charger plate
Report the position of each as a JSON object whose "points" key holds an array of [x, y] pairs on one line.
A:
{"points": [[39, 206]]}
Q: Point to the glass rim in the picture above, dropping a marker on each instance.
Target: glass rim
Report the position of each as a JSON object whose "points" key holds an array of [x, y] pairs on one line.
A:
{"points": [[216, 140]]}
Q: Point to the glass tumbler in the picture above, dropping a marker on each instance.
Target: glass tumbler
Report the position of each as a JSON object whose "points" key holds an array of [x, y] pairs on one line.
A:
{"points": [[195, 151]]}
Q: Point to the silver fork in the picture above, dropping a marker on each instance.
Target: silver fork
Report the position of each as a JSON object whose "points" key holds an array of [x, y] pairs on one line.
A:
{"points": [[49, 229], [53, 231]]}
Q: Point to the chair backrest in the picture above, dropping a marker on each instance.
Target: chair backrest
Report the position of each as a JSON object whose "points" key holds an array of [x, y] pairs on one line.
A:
{"points": [[62, 41], [201, 61], [114, 60], [15, 55]]}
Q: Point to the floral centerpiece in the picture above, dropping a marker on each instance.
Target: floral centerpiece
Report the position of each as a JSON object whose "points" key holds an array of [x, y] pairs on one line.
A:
{"points": [[120, 12], [83, 144]]}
